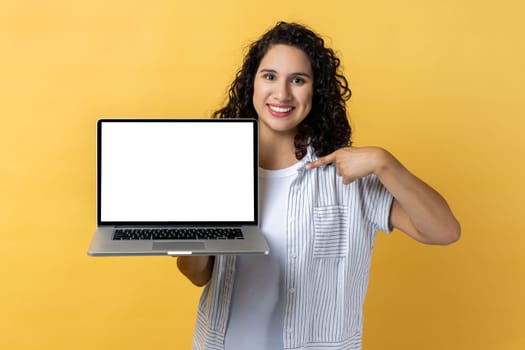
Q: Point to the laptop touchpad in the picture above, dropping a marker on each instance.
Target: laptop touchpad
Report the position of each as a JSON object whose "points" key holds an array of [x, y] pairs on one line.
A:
{"points": [[190, 246]]}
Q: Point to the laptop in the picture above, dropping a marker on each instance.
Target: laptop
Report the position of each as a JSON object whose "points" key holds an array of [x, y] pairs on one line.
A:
{"points": [[177, 187]]}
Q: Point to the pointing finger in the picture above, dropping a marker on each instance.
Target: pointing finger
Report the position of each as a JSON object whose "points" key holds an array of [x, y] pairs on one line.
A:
{"points": [[321, 161]]}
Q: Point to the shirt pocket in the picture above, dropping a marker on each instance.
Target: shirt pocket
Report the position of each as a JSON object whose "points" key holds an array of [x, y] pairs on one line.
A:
{"points": [[331, 231]]}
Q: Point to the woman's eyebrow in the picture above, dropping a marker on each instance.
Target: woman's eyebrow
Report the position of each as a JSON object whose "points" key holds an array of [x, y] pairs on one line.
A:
{"points": [[267, 70], [302, 74]]}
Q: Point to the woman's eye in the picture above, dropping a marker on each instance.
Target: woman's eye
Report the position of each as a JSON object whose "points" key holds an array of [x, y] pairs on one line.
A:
{"points": [[297, 80], [269, 76]]}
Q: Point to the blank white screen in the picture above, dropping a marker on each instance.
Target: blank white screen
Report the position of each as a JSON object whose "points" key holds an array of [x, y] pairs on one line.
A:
{"points": [[177, 171]]}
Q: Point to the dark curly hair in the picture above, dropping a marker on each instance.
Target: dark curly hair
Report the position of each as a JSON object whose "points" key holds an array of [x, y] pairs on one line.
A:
{"points": [[326, 127]]}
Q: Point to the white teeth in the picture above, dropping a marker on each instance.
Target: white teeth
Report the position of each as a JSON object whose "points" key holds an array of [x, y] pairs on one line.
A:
{"points": [[280, 109]]}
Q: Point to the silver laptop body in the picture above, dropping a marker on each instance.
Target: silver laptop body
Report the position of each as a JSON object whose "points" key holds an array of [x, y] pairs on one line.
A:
{"points": [[157, 176]]}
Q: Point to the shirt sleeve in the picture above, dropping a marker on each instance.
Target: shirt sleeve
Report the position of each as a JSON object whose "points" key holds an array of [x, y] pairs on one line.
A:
{"points": [[377, 203]]}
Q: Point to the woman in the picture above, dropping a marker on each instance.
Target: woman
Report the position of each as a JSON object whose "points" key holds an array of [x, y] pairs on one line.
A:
{"points": [[322, 203]]}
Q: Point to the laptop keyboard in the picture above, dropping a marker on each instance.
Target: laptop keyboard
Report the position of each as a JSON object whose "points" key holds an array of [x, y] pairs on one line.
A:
{"points": [[177, 233]]}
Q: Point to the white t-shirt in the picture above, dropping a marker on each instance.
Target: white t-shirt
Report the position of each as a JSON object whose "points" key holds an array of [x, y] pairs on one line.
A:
{"points": [[256, 314]]}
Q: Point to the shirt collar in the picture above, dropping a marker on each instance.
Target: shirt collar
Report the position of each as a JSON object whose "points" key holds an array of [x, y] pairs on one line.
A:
{"points": [[309, 157]]}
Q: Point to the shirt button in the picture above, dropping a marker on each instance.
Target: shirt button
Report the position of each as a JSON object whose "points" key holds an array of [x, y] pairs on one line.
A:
{"points": [[291, 290]]}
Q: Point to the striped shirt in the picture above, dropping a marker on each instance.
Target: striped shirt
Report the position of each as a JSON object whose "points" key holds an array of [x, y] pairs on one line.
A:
{"points": [[330, 235]]}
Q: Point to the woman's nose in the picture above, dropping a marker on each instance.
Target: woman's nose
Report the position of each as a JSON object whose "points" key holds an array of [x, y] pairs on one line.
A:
{"points": [[283, 92]]}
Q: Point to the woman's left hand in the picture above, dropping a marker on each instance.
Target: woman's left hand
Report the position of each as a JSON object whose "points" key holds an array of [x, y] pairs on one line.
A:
{"points": [[352, 163]]}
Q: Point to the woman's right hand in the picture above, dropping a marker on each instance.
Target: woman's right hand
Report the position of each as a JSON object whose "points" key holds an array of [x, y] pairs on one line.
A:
{"points": [[197, 269]]}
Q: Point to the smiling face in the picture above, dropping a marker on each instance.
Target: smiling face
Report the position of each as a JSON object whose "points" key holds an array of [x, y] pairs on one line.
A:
{"points": [[283, 90]]}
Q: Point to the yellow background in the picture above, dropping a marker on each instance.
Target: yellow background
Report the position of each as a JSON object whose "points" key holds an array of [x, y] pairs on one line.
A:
{"points": [[440, 83]]}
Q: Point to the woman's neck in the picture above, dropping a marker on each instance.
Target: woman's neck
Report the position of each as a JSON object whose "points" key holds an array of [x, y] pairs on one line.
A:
{"points": [[276, 151]]}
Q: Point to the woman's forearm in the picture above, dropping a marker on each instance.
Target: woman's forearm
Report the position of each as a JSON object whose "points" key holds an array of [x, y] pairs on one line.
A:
{"points": [[418, 205]]}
